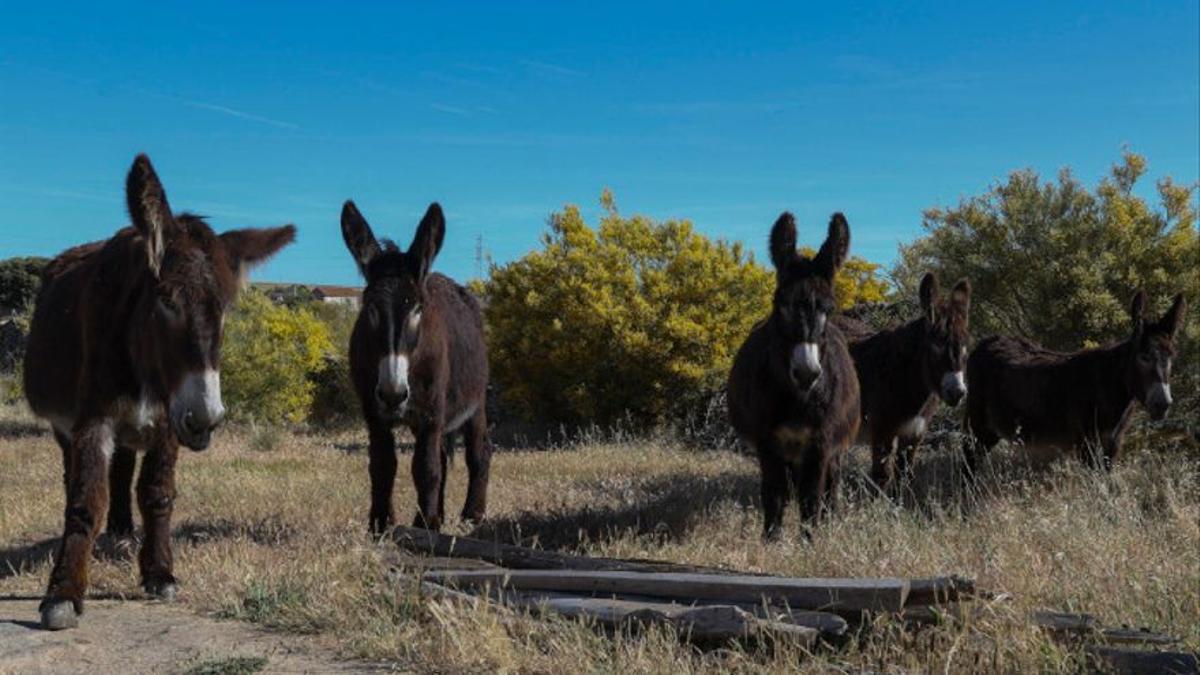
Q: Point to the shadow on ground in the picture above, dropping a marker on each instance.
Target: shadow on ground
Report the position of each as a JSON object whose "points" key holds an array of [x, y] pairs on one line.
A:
{"points": [[667, 507]]}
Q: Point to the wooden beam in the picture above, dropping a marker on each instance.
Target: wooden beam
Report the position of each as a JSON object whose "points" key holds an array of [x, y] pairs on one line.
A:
{"points": [[1134, 662], [1078, 626], [939, 590], [426, 542], [886, 595]]}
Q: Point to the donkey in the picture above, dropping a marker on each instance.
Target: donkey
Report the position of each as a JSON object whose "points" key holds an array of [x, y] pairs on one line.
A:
{"points": [[903, 372], [123, 355], [1079, 401], [793, 393], [417, 358]]}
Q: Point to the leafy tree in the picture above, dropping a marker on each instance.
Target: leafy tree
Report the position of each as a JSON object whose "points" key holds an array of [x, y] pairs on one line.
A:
{"points": [[20, 279], [269, 359], [1058, 263], [634, 317]]}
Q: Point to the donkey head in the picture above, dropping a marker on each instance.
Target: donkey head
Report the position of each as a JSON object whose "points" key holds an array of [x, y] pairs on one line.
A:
{"points": [[393, 297], [1153, 343], [945, 353], [194, 275], [804, 296]]}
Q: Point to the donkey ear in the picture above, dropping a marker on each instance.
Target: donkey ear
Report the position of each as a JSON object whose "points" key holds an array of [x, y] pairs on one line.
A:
{"points": [[929, 295], [359, 238], [249, 247], [428, 240], [783, 241], [1137, 311], [961, 295], [837, 245], [148, 208], [1173, 319]]}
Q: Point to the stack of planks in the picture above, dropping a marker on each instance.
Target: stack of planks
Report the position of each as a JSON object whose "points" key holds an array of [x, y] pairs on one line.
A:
{"points": [[703, 604]]}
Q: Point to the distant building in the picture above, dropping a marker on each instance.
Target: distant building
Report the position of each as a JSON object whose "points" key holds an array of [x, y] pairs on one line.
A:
{"points": [[342, 295]]}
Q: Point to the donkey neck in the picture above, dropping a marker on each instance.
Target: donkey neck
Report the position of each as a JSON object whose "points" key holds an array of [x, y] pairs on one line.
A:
{"points": [[1106, 372]]}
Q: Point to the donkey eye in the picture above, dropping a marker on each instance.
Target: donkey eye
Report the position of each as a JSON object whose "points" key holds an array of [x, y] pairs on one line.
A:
{"points": [[168, 306]]}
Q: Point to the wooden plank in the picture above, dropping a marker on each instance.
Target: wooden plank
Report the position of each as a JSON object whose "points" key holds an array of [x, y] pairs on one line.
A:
{"points": [[1135, 662], [1081, 626], [939, 590], [696, 623], [827, 594], [426, 542], [828, 624]]}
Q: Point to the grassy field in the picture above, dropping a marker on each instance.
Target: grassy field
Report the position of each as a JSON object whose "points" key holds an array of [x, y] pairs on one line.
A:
{"points": [[270, 529]]}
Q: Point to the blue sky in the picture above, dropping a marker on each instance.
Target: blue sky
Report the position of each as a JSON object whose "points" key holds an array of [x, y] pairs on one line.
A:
{"points": [[726, 114]]}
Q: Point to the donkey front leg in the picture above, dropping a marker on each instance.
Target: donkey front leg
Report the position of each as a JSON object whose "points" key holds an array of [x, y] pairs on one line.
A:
{"points": [[776, 492], [427, 470], [479, 461], [87, 500], [156, 502], [382, 467], [120, 488]]}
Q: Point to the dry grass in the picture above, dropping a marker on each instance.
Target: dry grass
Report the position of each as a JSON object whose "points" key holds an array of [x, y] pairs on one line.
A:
{"points": [[272, 530]]}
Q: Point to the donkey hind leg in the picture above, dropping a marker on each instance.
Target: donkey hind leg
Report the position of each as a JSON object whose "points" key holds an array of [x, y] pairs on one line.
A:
{"points": [[156, 502], [883, 464], [120, 487], [382, 468], [427, 471], [479, 460], [87, 500], [776, 492]]}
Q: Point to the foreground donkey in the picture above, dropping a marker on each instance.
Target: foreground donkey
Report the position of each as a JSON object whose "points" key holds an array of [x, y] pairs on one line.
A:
{"points": [[904, 371], [417, 358], [793, 394], [123, 353], [1079, 401]]}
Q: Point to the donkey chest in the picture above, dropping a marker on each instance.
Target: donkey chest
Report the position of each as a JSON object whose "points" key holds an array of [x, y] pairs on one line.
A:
{"points": [[792, 440]]}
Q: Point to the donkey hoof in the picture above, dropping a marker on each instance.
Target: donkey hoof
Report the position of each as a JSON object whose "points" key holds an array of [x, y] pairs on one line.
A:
{"points": [[167, 591], [59, 615]]}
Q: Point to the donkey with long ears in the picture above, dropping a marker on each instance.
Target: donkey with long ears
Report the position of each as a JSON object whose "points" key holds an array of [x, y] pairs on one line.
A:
{"points": [[417, 358], [123, 355], [905, 371], [793, 393], [1079, 401]]}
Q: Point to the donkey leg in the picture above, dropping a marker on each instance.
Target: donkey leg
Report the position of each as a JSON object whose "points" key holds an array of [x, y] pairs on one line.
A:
{"points": [[382, 467], [479, 461], [87, 499], [120, 487], [812, 484], [883, 464], [776, 492], [156, 502], [427, 474]]}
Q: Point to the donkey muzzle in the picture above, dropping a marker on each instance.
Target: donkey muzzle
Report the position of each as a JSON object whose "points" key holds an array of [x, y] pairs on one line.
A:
{"points": [[805, 365], [954, 388], [1158, 400], [197, 409]]}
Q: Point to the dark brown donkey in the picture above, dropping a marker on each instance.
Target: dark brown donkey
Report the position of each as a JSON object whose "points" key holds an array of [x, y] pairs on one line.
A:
{"points": [[123, 355], [903, 372], [417, 358], [1079, 401], [793, 393]]}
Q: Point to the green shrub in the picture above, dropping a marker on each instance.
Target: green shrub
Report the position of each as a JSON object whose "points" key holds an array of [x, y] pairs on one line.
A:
{"points": [[634, 320], [1058, 263], [269, 356]]}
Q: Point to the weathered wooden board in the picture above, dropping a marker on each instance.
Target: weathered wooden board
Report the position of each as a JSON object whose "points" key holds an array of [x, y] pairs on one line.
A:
{"points": [[1087, 626], [510, 556], [886, 595], [939, 590], [1135, 662], [828, 624]]}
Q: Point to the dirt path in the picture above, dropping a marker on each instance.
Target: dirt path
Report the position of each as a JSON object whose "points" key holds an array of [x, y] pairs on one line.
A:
{"points": [[122, 636]]}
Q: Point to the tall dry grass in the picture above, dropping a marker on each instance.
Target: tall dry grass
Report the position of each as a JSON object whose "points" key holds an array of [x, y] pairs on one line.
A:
{"points": [[272, 530]]}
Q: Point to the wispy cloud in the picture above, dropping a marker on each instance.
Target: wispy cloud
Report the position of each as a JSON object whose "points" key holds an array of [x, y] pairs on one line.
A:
{"points": [[232, 112], [450, 109], [546, 68]]}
